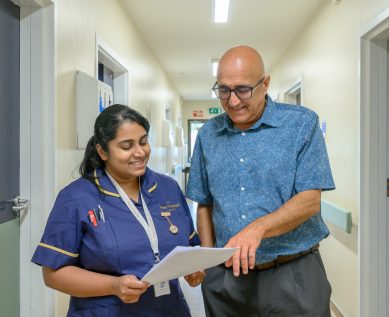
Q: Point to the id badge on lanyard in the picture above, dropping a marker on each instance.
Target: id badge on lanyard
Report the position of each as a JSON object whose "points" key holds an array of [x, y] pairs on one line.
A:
{"points": [[161, 288]]}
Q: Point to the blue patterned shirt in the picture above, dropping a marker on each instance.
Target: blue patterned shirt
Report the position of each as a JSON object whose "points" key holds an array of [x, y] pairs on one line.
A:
{"points": [[249, 174]]}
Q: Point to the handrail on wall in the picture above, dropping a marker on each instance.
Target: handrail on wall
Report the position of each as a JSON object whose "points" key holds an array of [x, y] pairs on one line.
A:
{"points": [[339, 216]]}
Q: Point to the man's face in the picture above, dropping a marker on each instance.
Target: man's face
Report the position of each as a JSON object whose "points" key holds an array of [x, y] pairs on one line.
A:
{"points": [[243, 112]]}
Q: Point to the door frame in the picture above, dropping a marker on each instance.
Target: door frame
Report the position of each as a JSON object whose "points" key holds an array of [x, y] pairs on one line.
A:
{"points": [[37, 146], [292, 90], [373, 237]]}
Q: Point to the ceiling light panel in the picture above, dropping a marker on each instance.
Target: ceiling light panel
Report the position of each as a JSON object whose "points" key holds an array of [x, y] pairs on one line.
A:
{"points": [[215, 62], [221, 11]]}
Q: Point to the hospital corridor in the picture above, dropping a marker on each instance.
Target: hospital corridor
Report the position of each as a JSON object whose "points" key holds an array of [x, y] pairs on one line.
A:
{"points": [[199, 89]]}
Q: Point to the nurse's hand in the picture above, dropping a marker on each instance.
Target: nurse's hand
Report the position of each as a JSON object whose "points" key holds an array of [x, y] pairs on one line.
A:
{"points": [[195, 279], [128, 288]]}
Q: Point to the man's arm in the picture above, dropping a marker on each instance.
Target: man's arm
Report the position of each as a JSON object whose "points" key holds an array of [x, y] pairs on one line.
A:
{"points": [[205, 225], [289, 216]]}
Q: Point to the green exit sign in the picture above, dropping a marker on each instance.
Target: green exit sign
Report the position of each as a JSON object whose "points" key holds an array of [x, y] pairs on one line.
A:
{"points": [[215, 110]]}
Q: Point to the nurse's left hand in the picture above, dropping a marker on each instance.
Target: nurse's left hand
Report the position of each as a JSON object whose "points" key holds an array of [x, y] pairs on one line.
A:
{"points": [[195, 279], [128, 288]]}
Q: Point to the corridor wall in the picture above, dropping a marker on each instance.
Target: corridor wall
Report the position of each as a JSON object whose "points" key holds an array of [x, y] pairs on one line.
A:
{"points": [[326, 55]]}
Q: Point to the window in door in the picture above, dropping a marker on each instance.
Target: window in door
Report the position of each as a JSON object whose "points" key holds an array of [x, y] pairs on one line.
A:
{"points": [[193, 128]]}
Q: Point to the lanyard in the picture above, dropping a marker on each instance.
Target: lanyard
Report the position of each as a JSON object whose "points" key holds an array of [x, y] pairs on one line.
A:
{"points": [[147, 226]]}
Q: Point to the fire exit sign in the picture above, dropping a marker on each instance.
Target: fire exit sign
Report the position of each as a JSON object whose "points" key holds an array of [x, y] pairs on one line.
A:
{"points": [[215, 110]]}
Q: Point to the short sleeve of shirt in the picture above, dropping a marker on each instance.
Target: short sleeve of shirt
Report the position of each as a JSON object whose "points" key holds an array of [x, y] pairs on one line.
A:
{"points": [[197, 189], [313, 166], [60, 242]]}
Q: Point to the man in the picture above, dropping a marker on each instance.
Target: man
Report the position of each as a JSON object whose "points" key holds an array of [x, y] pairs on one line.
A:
{"points": [[257, 173]]}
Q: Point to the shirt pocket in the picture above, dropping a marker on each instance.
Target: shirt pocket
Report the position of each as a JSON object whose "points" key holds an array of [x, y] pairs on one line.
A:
{"points": [[99, 251]]}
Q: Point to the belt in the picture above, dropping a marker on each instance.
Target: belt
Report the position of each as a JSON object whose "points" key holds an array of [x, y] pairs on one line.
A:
{"points": [[282, 259]]}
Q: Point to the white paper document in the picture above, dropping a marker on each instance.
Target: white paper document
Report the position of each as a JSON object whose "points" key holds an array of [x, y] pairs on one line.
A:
{"points": [[182, 261]]}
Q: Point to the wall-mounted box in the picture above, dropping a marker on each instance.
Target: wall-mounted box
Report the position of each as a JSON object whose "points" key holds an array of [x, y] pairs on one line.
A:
{"points": [[167, 133], [179, 137], [92, 97], [162, 133]]}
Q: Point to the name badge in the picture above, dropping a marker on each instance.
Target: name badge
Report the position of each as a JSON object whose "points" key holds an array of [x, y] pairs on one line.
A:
{"points": [[161, 288]]}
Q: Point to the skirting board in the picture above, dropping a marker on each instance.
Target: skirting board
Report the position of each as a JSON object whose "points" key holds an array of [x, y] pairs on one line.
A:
{"points": [[335, 311]]}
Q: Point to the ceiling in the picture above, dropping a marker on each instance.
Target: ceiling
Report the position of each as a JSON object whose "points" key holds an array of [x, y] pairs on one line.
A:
{"points": [[184, 39]]}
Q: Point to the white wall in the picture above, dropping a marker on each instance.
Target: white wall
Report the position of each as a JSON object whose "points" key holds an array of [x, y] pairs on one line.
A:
{"points": [[77, 23], [326, 55]]}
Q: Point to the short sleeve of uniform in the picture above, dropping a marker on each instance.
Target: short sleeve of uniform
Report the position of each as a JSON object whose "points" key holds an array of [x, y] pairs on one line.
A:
{"points": [[60, 242], [197, 189], [313, 166], [194, 238]]}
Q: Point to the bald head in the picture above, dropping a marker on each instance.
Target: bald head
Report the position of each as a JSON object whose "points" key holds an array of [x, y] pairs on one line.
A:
{"points": [[242, 85], [242, 59]]}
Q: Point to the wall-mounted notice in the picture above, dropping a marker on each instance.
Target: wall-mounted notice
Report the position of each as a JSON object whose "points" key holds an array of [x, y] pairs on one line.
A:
{"points": [[198, 114]]}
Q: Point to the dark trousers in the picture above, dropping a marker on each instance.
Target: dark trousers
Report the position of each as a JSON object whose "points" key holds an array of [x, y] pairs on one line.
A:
{"points": [[299, 288]]}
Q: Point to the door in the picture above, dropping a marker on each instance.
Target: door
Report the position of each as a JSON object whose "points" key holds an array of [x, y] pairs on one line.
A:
{"points": [[374, 172], [387, 173], [9, 158]]}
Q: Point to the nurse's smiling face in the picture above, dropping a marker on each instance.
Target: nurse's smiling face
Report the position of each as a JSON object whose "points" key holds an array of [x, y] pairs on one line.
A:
{"points": [[128, 153]]}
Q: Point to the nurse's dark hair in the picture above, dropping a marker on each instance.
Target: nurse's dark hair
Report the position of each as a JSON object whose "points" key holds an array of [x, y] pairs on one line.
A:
{"points": [[105, 130]]}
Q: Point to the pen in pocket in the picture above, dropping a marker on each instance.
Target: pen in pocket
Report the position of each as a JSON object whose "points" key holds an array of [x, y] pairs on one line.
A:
{"points": [[101, 213], [92, 218]]}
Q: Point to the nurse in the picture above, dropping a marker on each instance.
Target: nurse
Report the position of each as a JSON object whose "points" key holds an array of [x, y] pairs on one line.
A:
{"points": [[109, 227]]}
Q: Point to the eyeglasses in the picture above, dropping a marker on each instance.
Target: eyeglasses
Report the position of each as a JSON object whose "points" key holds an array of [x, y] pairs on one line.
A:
{"points": [[242, 92]]}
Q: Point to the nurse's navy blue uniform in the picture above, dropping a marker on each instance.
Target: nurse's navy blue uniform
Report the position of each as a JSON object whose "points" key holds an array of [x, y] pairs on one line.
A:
{"points": [[119, 245]]}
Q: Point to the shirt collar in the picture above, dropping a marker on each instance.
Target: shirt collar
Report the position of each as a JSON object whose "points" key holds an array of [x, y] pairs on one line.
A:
{"points": [[269, 117], [104, 184]]}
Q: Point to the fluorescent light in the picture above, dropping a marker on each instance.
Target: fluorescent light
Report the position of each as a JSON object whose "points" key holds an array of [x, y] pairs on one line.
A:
{"points": [[215, 62], [221, 10]]}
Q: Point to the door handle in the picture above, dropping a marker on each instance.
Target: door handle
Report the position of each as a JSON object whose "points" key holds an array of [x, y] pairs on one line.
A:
{"points": [[19, 204]]}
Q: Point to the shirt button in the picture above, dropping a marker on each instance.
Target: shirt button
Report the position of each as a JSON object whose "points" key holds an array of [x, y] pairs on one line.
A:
{"points": [[242, 188], [243, 216], [243, 133], [241, 160]]}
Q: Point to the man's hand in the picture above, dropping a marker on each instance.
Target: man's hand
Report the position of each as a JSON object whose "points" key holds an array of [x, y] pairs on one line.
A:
{"points": [[285, 219], [248, 241]]}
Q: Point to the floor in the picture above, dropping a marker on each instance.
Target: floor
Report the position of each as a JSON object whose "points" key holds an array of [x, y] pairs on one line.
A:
{"points": [[194, 298]]}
